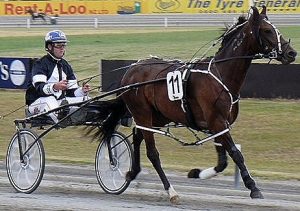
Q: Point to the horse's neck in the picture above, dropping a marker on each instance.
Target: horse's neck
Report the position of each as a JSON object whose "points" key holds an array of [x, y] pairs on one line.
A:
{"points": [[233, 71]]}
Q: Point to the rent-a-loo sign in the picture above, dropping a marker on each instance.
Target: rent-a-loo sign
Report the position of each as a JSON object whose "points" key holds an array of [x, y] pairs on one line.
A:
{"points": [[15, 72]]}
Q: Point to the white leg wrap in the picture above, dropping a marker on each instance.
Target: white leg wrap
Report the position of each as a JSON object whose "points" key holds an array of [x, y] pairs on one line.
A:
{"points": [[207, 173], [171, 192]]}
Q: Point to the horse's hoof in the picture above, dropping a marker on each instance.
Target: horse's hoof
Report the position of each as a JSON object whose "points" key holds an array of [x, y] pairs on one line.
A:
{"points": [[194, 173], [129, 176], [174, 199], [256, 194]]}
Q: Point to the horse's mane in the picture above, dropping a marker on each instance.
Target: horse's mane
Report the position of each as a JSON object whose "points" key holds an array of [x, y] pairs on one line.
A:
{"points": [[157, 60], [230, 31]]}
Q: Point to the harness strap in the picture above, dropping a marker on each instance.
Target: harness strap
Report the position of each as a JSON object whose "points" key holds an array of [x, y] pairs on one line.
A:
{"points": [[185, 104]]}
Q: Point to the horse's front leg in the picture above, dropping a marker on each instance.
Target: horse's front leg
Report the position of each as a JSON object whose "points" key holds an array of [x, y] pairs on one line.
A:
{"points": [[213, 171], [153, 155], [238, 158], [44, 19], [136, 165]]}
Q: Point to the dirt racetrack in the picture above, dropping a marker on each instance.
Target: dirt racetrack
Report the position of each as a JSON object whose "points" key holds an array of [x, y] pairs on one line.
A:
{"points": [[67, 187]]}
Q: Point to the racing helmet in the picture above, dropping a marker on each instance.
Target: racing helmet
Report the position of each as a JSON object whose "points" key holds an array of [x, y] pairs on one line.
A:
{"points": [[55, 36]]}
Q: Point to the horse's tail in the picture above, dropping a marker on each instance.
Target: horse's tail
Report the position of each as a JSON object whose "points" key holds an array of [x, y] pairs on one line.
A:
{"points": [[110, 114]]}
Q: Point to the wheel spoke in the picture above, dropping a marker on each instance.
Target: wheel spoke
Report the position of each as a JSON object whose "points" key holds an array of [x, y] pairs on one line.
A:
{"points": [[107, 174], [14, 162], [122, 153], [32, 152], [27, 179], [121, 173], [18, 174], [113, 179], [31, 167], [106, 156]]}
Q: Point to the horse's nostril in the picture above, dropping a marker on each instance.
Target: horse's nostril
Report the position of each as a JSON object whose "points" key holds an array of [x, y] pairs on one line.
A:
{"points": [[292, 54]]}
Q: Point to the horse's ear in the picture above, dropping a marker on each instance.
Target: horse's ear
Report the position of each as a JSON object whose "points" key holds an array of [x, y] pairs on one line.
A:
{"points": [[254, 15], [264, 10], [254, 19]]}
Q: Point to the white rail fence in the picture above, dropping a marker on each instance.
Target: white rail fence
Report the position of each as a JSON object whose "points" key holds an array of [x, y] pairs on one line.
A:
{"points": [[121, 21]]}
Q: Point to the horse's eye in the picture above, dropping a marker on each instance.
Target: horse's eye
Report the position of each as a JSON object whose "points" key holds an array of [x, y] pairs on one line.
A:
{"points": [[268, 31]]}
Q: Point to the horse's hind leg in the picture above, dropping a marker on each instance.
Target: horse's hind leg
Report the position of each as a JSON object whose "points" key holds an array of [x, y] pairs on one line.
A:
{"points": [[213, 171], [222, 158], [238, 158], [136, 166], [153, 156]]}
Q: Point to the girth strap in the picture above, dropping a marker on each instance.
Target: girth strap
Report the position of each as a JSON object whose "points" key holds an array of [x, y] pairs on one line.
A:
{"points": [[185, 104]]}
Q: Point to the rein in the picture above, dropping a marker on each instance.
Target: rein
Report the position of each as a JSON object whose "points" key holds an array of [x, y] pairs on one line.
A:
{"points": [[256, 56], [11, 112]]}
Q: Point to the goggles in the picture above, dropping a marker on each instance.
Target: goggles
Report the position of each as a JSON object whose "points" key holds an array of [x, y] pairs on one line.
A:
{"points": [[60, 45]]}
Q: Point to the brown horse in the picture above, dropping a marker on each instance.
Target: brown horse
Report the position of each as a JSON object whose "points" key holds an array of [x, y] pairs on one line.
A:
{"points": [[36, 15], [212, 89]]}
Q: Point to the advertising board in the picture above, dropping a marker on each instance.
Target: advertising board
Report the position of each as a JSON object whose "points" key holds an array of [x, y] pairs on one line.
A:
{"points": [[69, 7], [102, 7], [199, 6], [14, 72]]}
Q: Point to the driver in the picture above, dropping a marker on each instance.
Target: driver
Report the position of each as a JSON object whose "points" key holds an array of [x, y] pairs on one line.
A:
{"points": [[52, 78]]}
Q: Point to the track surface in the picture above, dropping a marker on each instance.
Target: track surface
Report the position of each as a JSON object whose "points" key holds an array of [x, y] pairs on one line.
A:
{"points": [[67, 187]]}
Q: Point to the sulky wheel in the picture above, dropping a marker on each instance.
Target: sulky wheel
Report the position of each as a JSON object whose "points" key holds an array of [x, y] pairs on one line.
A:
{"points": [[111, 168], [25, 175]]}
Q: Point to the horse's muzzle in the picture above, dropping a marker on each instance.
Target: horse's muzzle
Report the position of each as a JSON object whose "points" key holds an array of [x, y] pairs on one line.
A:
{"points": [[288, 56]]}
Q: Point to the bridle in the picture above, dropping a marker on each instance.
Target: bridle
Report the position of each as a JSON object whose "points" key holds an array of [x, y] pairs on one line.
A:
{"points": [[275, 52]]}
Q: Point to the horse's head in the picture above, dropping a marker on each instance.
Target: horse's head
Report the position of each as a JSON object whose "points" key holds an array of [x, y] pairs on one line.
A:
{"points": [[30, 11], [268, 38]]}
